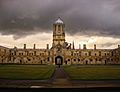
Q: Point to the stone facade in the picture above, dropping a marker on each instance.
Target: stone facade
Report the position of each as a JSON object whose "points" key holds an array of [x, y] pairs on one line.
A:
{"points": [[61, 52]]}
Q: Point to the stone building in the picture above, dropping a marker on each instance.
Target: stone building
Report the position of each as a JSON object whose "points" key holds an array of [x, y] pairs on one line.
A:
{"points": [[61, 52]]}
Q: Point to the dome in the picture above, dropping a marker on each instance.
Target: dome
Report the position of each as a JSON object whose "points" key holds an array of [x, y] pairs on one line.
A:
{"points": [[59, 21]]}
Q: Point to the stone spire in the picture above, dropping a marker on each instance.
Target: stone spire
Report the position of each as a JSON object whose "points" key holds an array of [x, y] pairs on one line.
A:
{"points": [[47, 46], [34, 47], [73, 45], [79, 46], [84, 46], [118, 46], [24, 46], [94, 46]]}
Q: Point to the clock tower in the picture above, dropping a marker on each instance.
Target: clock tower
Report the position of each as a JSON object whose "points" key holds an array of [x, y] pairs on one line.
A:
{"points": [[58, 32]]}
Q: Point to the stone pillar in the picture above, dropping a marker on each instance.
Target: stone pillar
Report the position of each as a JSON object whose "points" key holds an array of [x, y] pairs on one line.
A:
{"points": [[24, 46], [84, 46]]}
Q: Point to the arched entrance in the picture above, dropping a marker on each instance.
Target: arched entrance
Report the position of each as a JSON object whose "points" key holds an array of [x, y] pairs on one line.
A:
{"points": [[86, 62], [58, 60]]}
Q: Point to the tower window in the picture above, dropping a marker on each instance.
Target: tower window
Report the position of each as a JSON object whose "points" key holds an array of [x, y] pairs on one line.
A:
{"points": [[59, 27]]}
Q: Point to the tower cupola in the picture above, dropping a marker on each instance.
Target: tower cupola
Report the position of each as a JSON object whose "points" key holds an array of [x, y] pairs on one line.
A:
{"points": [[59, 21]]}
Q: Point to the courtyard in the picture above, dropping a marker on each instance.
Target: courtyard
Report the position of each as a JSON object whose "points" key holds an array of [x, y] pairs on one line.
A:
{"points": [[65, 76]]}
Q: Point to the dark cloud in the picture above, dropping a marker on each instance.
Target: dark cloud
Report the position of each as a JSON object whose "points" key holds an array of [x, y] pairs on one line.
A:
{"points": [[88, 17]]}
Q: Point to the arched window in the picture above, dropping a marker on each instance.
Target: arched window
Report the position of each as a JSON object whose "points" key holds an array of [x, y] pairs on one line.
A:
{"points": [[85, 54], [74, 59], [111, 59], [68, 59], [105, 54], [48, 59], [78, 60], [91, 60]]}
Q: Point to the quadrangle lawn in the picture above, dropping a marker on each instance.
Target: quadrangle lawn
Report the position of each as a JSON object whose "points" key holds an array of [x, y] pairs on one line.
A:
{"points": [[32, 72], [93, 72]]}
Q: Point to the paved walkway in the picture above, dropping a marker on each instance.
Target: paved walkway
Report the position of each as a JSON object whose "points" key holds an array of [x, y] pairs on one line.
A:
{"points": [[60, 79]]}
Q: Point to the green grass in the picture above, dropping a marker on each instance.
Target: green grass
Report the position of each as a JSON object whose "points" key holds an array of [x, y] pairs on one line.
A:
{"points": [[94, 72], [32, 72]]}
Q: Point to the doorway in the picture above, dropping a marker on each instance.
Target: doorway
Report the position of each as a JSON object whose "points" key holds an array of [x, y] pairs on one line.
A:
{"points": [[58, 60]]}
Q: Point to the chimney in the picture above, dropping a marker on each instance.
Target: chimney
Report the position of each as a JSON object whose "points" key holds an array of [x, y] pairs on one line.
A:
{"points": [[34, 46], [47, 46], [118, 46], [94, 46], [24, 46], [84, 46]]}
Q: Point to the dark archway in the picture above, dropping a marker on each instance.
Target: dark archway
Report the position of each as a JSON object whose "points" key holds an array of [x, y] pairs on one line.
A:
{"points": [[41, 61], [58, 60], [86, 62], [20, 61], [105, 62]]}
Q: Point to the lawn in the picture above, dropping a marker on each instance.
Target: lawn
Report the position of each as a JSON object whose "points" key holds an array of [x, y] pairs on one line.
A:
{"points": [[93, 72], [32, 72]]}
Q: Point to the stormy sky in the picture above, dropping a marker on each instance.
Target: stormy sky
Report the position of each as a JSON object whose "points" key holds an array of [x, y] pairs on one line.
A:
{"points": [[88, 18]]}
